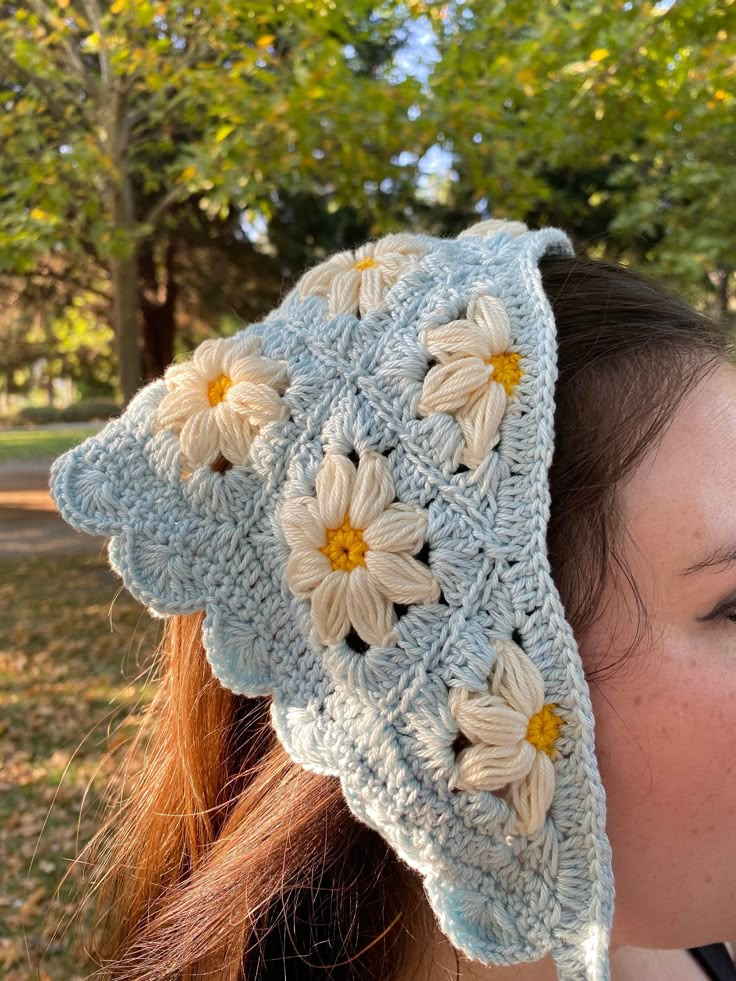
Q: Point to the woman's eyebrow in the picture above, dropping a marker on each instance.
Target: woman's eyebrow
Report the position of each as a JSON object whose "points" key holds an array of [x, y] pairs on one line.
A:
{"points": [[724, 555]]}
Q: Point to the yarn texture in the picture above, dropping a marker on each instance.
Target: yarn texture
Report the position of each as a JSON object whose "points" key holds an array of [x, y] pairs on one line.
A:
{"points": [[355, 490]]}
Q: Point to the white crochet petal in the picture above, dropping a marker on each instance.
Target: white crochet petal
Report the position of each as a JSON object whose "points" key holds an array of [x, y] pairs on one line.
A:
{"points": [[306, 569], [483, 767], [404, 243], [200, 439], [330, 608], [334, 488], [178, 405], [517, 679], [458, 338], [489, 313], [399, 528], [492, 226], [372, 289], [480, 420], [448, 386], [344, 292], [302, 523], [316, 281], [260, 404], [486, 718], [184, 374], [372, 491], [254, 368], [236, 434], [370, 613], [401, 578], [531, 797], [208, 357], [365, 251]]}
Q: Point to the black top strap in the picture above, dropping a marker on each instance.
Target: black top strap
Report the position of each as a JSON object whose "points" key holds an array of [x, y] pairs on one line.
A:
{"points": [[715, 961]]}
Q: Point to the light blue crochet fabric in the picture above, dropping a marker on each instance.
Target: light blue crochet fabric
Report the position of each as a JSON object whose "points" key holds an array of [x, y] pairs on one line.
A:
{"points": [[378, 718]]}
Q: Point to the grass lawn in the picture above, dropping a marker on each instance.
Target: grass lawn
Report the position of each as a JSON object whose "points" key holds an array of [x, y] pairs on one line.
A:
{"points": [[71, 650], [31, 443]]}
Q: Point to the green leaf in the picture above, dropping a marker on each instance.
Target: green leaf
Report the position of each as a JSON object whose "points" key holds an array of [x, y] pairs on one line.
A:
{"points": [[223, 132]]}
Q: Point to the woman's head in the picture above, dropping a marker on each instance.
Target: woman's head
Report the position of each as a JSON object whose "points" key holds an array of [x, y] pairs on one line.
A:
{"points": [[641, 487], [665, 722], [240, 857]]}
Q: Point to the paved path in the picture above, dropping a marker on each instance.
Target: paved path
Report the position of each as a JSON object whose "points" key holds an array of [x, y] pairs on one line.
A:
{"points": [[29, 522]]}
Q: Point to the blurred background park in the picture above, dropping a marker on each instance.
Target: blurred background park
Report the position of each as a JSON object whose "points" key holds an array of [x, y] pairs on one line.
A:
{"points": [[168, 169]]}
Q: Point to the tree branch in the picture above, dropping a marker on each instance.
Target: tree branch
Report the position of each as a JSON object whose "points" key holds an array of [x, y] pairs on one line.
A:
{"points": [[147, 225], [143, 112], [72, 61], [95, 18], [196, 51]]}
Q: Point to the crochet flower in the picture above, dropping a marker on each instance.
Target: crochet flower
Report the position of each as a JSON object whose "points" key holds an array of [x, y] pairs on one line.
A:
{"points": [[356, 281], [492, 226], [351, 550], [512, 732], [475, 376], [219, 399]]}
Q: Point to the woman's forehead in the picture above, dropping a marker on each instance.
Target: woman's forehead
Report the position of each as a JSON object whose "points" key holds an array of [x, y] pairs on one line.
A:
{"points": [[681, 499]]}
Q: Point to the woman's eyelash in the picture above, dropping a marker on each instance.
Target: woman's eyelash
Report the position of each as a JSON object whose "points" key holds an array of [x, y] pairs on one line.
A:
{"points": [[726, 610], [724, 613]]}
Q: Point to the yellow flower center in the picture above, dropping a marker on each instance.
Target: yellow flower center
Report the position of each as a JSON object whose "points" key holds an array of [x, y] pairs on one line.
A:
{"points": [[366, 263], [506, 370], [345, 547], [216, 389], [544, 728]]}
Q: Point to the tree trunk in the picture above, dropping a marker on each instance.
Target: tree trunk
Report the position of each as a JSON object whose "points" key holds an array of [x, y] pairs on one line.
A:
{"points": [[124, 263], [125, 290], [158, 302]]}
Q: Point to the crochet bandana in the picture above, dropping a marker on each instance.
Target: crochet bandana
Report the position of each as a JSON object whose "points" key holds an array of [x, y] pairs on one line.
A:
{"points": [[355, 490]]}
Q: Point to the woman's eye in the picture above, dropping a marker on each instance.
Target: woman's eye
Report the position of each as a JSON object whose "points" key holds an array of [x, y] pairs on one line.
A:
{"points": [[727, 613]]}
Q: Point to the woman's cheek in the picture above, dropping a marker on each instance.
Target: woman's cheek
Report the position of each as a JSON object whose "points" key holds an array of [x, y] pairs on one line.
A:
{"points": [[665, 743]]}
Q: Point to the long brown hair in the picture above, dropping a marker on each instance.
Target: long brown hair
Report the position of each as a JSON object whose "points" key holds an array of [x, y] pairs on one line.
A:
{"points": [[225, 859]]}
